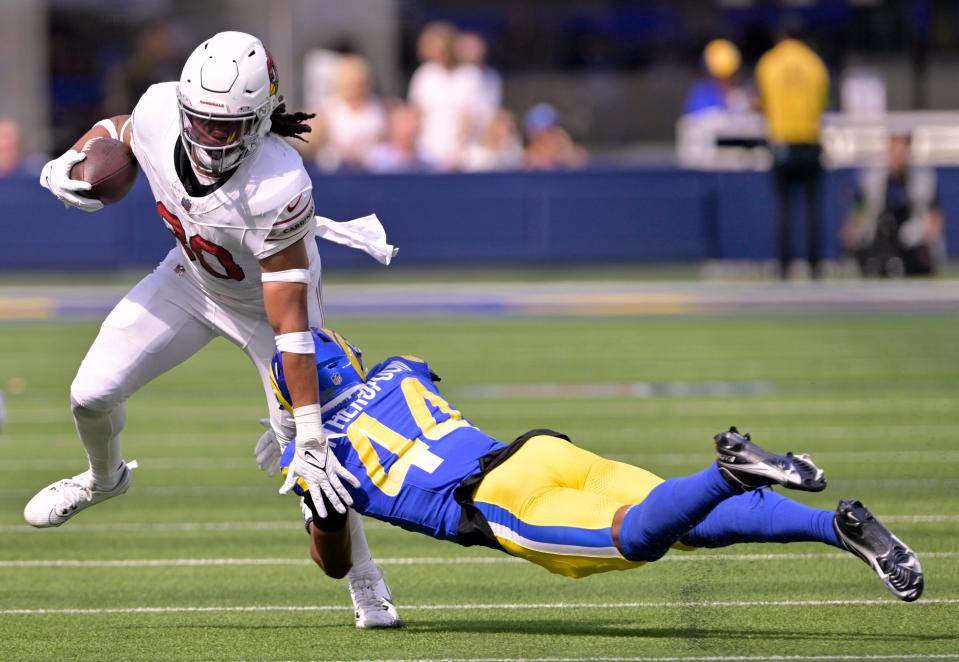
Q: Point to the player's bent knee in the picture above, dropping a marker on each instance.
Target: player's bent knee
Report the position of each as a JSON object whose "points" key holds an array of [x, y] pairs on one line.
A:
{"points": [[87, 395]]}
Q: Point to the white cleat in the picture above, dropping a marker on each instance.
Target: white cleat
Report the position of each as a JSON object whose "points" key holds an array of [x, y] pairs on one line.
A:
{"points": [[58, 502], [373, 603]]}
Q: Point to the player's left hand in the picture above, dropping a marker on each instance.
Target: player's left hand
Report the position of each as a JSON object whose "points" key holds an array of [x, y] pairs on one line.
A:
{"points": [[268, 453], [316, 464]]}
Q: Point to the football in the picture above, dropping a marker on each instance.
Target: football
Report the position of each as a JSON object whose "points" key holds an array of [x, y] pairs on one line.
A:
{"points": [[110, 167]]}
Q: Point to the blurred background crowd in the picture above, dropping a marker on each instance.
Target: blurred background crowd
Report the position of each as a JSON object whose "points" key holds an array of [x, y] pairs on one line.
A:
{"points": [[400, 86], [451, 119]]}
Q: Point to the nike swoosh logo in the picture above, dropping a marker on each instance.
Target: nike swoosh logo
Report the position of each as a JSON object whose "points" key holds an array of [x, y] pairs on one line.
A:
{"points": [[293, 205]]}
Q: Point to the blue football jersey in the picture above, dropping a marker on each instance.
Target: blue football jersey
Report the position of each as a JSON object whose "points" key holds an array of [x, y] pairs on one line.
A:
{"points": [[408, 446]]}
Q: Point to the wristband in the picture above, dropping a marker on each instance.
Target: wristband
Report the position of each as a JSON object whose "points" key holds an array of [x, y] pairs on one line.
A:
{"points": [[309, 426], [299, 342]]}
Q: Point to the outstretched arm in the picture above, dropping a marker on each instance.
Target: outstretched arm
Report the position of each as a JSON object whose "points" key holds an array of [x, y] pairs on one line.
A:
{"points": [[285, 278]]}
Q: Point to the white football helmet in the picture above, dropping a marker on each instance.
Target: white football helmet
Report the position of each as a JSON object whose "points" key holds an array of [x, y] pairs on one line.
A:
{"points": [[226, 94]]}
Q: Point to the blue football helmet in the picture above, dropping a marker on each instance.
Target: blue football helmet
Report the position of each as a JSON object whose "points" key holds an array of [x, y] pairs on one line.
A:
{"points": [[339, 368]]}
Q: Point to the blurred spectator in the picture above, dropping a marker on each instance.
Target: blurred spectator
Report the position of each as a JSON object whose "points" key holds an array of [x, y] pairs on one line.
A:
{"points": [[398, 153], [319, 70], [448, 97], [500, 147], [896, 228], [471, 51], [794, 87], [13, 161], [155, 59], [721, 89], [11, 155], [350, 122], [548, 145]]}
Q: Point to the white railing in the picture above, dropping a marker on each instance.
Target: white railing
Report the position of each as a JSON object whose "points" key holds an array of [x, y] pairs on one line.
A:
{"points": [[734, 141]]}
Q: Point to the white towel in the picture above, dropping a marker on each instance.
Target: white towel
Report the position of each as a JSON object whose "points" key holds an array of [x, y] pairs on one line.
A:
{"points": [[365, 234]]}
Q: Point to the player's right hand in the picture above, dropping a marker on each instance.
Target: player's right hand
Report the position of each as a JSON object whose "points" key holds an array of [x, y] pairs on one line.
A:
{"points": [[55, 177], [316, 464]]}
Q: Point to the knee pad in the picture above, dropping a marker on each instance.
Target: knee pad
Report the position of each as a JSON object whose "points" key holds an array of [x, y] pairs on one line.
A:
{"points": [[94, 395]]}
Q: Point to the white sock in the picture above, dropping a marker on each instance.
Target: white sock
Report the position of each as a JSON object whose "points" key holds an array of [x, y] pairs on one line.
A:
{"points": [[100, 433], [362, 559]]}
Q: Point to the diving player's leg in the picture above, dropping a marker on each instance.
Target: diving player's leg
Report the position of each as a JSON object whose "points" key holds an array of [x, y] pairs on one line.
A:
{"points": [[537, 508], [646, 530], [149, 332], [762, 516], [329, 539]]}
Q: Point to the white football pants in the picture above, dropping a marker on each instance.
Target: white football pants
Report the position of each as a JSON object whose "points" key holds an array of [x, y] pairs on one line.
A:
{"points": [[164, 320]]}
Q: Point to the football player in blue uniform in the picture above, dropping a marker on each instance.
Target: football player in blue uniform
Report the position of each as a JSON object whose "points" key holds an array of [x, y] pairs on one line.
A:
{"points": [[424, 467]]}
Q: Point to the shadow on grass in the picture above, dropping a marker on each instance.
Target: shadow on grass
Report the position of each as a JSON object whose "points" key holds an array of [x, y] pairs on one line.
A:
{"points": [[616, 628], [601, 628]]}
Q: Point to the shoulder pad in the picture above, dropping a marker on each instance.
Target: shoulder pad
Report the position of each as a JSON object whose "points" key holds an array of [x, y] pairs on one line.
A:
{"points": [[155, 109], [277, 177], [415, 364]]}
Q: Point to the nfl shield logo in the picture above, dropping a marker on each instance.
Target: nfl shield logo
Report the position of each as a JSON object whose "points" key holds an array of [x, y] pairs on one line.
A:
{"points": [[185, 203], [337, 379]]}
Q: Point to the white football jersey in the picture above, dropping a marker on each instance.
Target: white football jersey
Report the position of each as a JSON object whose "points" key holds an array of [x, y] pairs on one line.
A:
{"points": [[264, 207]]}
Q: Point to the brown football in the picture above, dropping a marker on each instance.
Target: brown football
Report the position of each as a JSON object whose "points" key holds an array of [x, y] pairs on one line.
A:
{"points": [[110, 167]]}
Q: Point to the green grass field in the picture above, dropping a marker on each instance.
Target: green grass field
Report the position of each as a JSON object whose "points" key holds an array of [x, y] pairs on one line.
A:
{"points": [[874, 399]]}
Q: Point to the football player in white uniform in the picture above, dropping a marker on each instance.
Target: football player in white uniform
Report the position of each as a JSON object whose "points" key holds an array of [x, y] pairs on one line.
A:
{"points": [[237, 199]]}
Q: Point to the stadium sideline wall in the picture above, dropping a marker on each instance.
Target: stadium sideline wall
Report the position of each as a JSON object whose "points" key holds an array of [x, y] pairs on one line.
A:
{"points": [[552, 218]]}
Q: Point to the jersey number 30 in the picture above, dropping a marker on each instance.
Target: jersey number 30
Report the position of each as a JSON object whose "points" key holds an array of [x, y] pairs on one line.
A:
{"points": [[366, 430], [197, 248]]}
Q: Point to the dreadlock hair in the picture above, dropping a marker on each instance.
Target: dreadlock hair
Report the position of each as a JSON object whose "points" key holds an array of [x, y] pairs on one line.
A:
{"points": [[290, 125]]}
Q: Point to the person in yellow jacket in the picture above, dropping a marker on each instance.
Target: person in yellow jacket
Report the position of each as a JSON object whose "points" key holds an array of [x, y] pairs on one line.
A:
{"points": [[794, 88]]}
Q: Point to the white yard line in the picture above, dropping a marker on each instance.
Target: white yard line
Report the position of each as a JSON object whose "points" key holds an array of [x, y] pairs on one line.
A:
{"points": [[155, 464], [410, 560], [160, 527], [822, 457], [694, 658], [291, 525], [719, 604], [182, 462], [250, 491]]}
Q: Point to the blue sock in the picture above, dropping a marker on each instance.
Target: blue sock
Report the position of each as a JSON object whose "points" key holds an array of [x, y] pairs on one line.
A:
{"points": [[671, 509], [763, 516]]}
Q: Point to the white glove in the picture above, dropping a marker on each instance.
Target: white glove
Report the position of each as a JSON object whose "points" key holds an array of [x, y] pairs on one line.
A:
{"points": [[55, 177], [315, 463], [322, 472], [268, 453]]}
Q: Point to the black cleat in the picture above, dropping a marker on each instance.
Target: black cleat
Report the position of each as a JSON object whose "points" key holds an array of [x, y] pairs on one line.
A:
{"points": [[897, 566], [752, 467]]}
